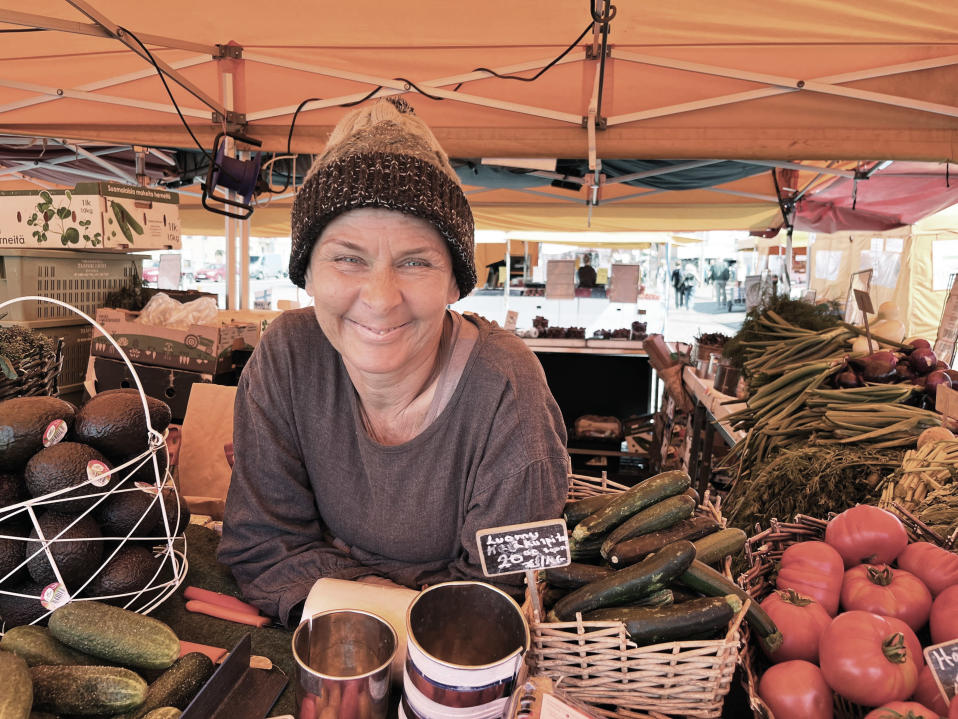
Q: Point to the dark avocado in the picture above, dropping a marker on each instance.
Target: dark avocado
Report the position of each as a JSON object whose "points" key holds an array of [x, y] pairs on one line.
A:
{"points": [[119, 515], [142, 471], [65, 465], [12, 554], [23, 421], [77, 552], [132, 568], [13, 490], [16, 610], [114, 423]]}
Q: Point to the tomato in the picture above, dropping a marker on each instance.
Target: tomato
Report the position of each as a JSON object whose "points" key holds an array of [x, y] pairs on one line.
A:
{"points": [[953, 711], [935, 566], [928, 693], [866, 534], [864, 658], [801, 620], [943, 620], [890, 592], [796, 690], [911, 641], [902, 710], [813, 569]]}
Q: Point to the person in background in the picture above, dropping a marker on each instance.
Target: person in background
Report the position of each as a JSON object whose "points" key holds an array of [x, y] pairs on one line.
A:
{"points": [[678, 280], [586, 272], [722, 275], [377, 431], [689, 283]]}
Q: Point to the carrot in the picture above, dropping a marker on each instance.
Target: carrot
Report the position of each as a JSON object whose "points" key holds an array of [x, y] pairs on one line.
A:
{"points": [[223, 600], [214, 653], [221, 612]]}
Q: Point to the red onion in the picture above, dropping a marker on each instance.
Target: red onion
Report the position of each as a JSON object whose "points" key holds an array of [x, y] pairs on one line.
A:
{"points": [[904, 371], [940, 364], [935, 380], [923, 360], [919, 343], [953, 373], [847, 378], [879, 366]]}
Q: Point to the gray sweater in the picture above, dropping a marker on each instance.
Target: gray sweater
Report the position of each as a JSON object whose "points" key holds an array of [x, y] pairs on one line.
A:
{"points": [[306, 471]]}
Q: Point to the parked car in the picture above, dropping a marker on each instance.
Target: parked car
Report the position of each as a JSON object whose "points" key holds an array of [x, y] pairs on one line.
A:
{"points": [[150, 274], [269, 265], [210, 273]]}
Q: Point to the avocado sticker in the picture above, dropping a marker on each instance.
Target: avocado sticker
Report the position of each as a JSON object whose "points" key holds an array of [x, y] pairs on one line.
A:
{"points": [[54, 595], [97, 472], [55, 431]]}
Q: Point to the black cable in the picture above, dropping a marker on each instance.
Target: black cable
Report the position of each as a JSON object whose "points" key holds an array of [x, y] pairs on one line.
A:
{"points": [[25, 29], [610, 13]]}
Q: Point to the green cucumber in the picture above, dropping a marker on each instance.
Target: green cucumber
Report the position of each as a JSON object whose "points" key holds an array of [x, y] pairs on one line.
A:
{"points": [[705, 580], [16, 688], [629, 584], [693, 493], [632, 550], [717, 546], [575, 575], [651, 625], [86, 690], [660, 515], [131, 220], [35, 645], [630, 501], [115, 634], [177, 686], [578, 509]]}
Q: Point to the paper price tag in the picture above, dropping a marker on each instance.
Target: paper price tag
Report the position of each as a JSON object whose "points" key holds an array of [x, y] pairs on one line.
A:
{"points": [[511, 318], [942, 659], [523, 547], [864, 302], [946, 401]]}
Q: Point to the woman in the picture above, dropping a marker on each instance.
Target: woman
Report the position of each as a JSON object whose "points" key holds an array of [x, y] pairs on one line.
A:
{"points": [[377, 431]]}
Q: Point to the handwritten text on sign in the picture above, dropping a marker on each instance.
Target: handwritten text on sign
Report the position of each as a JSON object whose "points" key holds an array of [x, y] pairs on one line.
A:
{"points": [[523, 547], [942, 659]]}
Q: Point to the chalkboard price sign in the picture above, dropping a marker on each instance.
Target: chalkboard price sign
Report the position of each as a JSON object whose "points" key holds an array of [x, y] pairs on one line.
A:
{"points": [[942, 659], [523, 547]]}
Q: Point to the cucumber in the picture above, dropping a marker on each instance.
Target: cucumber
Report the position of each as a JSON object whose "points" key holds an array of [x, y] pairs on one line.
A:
{"points": [[16, 687], [587, 550], [629, 584], [115, 634], [35, 645], [86, 690], [651, 625], [715, 547], [632, 550], [575, 575], [164, 713], [578, 509], [177, 686], [660, 515], [630, 501], [693, 493], [702, 578]]}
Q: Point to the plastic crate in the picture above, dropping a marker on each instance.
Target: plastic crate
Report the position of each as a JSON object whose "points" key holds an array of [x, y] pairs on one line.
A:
{"points": [[77, 337], [82, 279]]}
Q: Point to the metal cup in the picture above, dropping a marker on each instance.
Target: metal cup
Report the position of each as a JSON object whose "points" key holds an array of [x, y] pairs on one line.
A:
{"points": [[343, 665]]}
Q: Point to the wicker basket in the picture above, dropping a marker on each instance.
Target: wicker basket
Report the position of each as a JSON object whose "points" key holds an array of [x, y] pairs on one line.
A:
{"points": [[37, 375], [598, 664]]}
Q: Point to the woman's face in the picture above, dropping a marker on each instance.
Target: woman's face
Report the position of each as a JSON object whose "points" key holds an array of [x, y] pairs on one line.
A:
{"points": [[380, 281]]}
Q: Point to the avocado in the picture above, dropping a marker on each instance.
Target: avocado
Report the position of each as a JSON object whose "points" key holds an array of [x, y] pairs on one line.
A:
{"points": [[20, 604], [13, 490], [119, 514], [114, 422], [23, 422], [66, 465], [77, 552], [131, 569], [13, 546], [142, 471]]}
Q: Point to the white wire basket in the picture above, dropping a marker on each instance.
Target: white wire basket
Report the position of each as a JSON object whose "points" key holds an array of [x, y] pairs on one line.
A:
{"points": [[158, 530]]}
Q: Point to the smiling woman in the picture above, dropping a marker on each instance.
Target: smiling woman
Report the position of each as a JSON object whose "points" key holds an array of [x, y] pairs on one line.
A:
{"points": [[377, 431]]}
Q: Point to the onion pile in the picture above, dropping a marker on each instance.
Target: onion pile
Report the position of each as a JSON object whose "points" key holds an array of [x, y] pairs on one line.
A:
{"points": [[917, 365]]}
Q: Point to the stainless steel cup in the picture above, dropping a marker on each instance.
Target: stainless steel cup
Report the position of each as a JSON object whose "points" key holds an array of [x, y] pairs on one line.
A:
{"points": [[343, 665]]}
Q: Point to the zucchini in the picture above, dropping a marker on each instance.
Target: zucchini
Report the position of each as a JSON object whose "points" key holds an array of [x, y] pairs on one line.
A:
{"points": [[717, 546], [578, 509], [35, 645], [658, 598], [630, 501], [575, 575], [632, 550], [177, 686], [702, 578], [16, 687], [660, 515], [164, 713], [550, 595], [629, 584], [651, 625], [86, 690], [587, 550], [115, 634]]}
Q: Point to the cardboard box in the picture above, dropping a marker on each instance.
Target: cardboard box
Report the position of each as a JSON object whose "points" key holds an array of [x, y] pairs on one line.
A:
{"points": [[201, 348], [91, 216]]}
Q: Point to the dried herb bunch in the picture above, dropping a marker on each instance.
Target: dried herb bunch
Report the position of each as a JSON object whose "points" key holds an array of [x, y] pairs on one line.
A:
{"points": [[19, 343]]}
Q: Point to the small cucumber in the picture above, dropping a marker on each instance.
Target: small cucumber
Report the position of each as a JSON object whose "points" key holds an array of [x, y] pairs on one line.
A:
{"points": [[705, 580], [115, 634], [36, 646], [629, 584], [16, 687], [651, 625], [632, 550], [575, 575], [578, 509], [177, 686], [630, 501], [660, 515], [86, 690], [715, 547]]}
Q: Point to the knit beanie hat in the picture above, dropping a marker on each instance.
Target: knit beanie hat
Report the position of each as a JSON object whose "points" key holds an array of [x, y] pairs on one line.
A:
{"points": [[382, 155]]}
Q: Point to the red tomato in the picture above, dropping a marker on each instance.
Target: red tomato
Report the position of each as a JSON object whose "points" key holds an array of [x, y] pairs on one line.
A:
{"points": [[935, 566], [943, 620], [953, 712], [866, 534], [864, 658], [928, 693], [813, 569], [911, 641], [796, 690], [801, 621], [902, 710], [890, 592]]}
